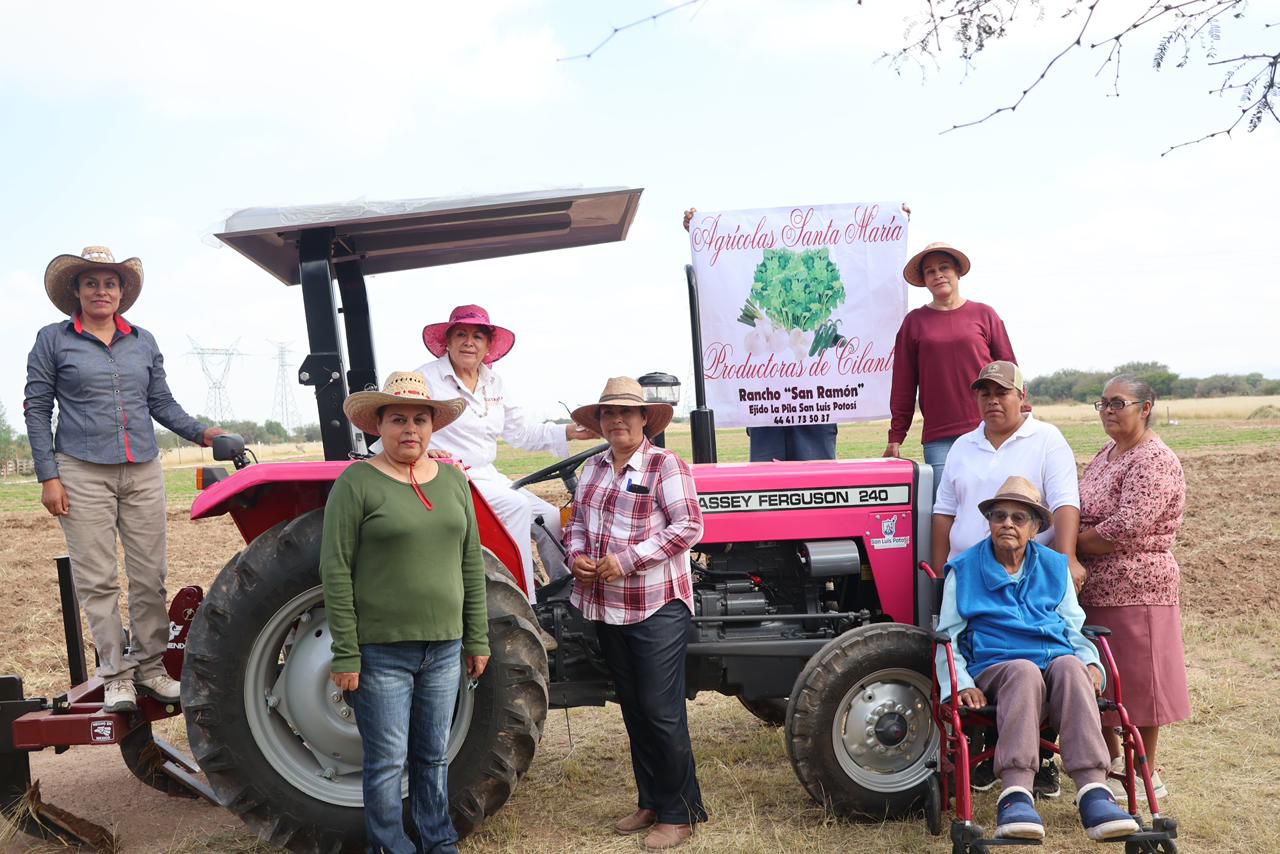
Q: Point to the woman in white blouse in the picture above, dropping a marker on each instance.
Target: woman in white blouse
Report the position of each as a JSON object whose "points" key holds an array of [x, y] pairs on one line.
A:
{"points": [[467, 344]]}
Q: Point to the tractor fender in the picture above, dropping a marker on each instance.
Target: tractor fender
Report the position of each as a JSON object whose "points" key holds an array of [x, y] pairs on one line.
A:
{"points": [[261, 496]]}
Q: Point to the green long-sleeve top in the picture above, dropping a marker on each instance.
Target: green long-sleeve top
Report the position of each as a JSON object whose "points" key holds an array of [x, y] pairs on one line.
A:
{"points": [[395, 571]]}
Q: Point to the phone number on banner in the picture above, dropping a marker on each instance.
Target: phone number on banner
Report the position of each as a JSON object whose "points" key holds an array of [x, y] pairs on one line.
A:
{"points": [[815, 418]]}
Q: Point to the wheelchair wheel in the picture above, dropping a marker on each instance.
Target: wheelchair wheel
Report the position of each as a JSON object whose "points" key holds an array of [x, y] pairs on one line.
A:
{"points": [[1151, 846], [933, 806]]}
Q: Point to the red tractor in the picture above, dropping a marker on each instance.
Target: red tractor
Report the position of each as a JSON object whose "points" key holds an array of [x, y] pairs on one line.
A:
{"points": [[810, 608]]}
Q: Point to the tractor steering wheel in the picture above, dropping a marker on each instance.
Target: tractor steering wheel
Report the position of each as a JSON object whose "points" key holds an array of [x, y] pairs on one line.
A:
{"points": [[566, 470]]}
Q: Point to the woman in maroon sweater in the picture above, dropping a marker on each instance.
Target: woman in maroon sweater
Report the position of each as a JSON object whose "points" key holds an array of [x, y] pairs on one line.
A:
{"points": [[940, 348]]}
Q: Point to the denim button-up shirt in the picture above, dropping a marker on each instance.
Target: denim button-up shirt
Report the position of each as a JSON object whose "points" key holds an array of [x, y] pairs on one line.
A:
{"points": [[106, 396]]}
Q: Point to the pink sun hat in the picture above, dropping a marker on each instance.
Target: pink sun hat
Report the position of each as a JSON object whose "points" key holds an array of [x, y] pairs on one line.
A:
{"points": [[501, 339]]}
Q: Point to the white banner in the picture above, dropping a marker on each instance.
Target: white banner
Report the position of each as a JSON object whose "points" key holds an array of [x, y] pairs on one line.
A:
{"points": [[799, 308]]}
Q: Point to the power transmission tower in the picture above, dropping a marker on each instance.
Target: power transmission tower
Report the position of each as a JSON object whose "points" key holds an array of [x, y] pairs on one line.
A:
{"points": [[216, 364], [285, 410]]}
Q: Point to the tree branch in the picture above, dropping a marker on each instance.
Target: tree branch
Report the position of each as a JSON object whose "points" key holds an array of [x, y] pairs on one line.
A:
{"points": [[1009, 109], [635, 23]]}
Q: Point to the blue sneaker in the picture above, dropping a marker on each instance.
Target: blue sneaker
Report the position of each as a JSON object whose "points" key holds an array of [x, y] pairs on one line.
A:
{"points": [[1101, 816], [1016, 815]]}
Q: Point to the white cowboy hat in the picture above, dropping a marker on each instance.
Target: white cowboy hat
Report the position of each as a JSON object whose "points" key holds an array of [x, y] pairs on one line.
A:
{"points": [[624, 391], [403, 388], [60, 277]]}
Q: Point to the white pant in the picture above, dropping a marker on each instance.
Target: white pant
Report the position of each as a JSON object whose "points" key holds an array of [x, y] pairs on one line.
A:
{"points": [[516, 508]]}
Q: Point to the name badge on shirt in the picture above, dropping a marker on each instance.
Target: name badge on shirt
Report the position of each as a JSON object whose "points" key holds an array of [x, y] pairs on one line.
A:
{"points": [[636, 488]]}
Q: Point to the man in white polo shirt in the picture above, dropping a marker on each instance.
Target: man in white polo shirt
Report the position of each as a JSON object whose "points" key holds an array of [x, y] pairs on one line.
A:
{"points": [[1008, 442]]}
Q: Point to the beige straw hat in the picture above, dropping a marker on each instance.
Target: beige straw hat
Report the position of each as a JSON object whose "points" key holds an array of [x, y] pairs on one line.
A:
{"points": [[402, 388], [60, 277], [914, 275], [1024, 492], [624, 391]]}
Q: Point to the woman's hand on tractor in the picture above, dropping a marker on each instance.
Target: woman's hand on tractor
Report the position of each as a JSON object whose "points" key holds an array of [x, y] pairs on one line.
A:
{"points": [[207, 439], [345, 681], [893, 449], [54, 497], [476, 665], [576, 431], [688, 217], [973, 698]]}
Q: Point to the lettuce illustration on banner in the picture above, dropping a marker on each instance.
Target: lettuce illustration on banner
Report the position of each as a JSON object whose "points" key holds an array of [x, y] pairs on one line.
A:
{"points": [[792, 297]]}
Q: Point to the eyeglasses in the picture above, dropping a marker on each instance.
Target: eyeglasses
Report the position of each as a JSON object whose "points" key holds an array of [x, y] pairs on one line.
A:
{"points": [[1115, 404], [1000, 516]]}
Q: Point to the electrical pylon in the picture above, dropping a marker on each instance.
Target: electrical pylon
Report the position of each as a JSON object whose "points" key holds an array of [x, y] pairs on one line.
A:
{"points": [[216, 364]]}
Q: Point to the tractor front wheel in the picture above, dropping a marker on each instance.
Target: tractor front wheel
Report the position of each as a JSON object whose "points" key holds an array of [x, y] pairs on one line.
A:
{"points": [[860, 730], [279, 743], [771, 711]]}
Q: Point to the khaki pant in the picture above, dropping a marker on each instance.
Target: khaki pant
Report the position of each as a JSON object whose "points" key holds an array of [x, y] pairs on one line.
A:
{"points": [[1024, 698], [128, 498]]}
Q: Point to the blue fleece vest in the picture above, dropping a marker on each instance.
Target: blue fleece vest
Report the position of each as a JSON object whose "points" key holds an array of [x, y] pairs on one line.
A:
{"points": [[1007, 620]]}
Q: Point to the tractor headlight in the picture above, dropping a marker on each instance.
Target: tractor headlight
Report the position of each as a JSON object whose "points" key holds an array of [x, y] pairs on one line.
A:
{"points": [[660, 388]]}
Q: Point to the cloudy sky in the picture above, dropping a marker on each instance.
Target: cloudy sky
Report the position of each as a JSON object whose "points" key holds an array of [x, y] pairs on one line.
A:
{"points": [[142, 126]]}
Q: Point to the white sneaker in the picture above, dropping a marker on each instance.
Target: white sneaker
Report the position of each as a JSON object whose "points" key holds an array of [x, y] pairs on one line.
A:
{"points": [[118, 695], [161, 688], [1117, 786]]}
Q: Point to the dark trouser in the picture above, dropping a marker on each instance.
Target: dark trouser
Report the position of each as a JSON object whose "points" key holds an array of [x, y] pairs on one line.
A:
{"points": [[646, 660], [809, 442], [1025, 697]]}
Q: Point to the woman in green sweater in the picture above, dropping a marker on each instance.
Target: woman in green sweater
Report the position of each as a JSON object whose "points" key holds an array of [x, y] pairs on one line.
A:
{"points": [[405, 594]]}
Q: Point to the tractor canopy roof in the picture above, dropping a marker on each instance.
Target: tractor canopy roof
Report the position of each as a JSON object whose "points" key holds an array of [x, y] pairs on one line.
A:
{"points": [[411, 233]]}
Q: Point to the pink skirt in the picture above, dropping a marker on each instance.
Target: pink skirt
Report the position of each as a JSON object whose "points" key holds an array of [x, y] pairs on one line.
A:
{"points": [[1146, 641]]}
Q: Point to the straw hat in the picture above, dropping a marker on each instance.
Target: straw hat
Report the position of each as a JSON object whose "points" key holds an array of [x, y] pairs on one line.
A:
{"points": [[501, 340], [914, 275], [60, 277], [1024, 492], [624, 391], [402, 388]]}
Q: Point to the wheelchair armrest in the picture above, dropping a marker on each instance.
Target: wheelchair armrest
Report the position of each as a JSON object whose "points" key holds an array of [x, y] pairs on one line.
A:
{"points": [[989, 710], [941, 637], [1092, 632]]}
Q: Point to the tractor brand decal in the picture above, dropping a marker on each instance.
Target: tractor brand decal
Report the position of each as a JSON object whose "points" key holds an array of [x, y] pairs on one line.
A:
{"points": [[102, 732], [803, 499], [887, 540], [175, 629]]}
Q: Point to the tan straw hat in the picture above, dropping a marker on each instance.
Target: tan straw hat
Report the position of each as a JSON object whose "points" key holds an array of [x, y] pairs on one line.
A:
{"points": [[624, 391], [914, 275], [1024, 492], [403, 388], [60, 277]]}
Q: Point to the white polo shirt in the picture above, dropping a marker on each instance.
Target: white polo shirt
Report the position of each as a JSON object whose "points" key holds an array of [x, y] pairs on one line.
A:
{"points": [[975, 471]]}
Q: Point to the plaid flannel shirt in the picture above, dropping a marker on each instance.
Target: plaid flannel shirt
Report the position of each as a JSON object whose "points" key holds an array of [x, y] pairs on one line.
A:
{"points": [[648, 516]]}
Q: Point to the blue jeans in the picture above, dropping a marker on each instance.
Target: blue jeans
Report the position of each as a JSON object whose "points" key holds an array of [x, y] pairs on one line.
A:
{"points": [[935, 454], [404, 708], [804, 442]]}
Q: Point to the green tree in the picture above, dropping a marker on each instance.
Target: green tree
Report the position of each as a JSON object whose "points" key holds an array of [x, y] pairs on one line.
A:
{"points": [[7, 442], [1156, 374], [274, 432]]}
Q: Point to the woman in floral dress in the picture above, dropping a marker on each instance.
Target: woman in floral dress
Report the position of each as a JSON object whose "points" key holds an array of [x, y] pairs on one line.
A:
{"points": [[1131, 501]]}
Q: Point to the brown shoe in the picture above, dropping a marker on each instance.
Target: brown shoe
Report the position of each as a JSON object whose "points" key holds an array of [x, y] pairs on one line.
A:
{"points": [[638, 821], [667, 836]]}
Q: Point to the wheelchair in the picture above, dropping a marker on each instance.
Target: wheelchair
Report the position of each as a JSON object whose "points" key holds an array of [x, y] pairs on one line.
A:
{"points": [[948, 790]]}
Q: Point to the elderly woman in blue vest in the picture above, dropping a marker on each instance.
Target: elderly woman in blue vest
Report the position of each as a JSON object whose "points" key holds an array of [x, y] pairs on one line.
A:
{"points": [[1012, 615]]}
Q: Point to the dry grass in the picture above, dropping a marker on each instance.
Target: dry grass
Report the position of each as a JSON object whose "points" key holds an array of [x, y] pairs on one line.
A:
{"points": [[1223, 765], [1231, 408]]}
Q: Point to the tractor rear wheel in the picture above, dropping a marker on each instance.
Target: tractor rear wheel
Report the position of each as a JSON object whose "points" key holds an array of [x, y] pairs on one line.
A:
{"points": [[279, 743], [860, 730]]}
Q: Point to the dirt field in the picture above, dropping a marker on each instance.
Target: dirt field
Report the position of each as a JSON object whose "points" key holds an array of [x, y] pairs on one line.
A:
{"points": [[1223, 766]]}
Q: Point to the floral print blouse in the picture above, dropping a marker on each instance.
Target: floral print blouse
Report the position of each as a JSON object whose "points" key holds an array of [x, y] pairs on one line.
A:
{"points": [[1134, 501]]}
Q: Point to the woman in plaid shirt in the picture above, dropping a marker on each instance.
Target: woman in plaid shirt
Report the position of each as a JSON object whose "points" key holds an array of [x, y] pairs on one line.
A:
{"points": [[635, 518]]}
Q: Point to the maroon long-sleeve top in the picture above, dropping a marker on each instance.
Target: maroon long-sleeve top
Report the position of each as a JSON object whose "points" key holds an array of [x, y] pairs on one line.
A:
{"points": [[939, 353]]}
